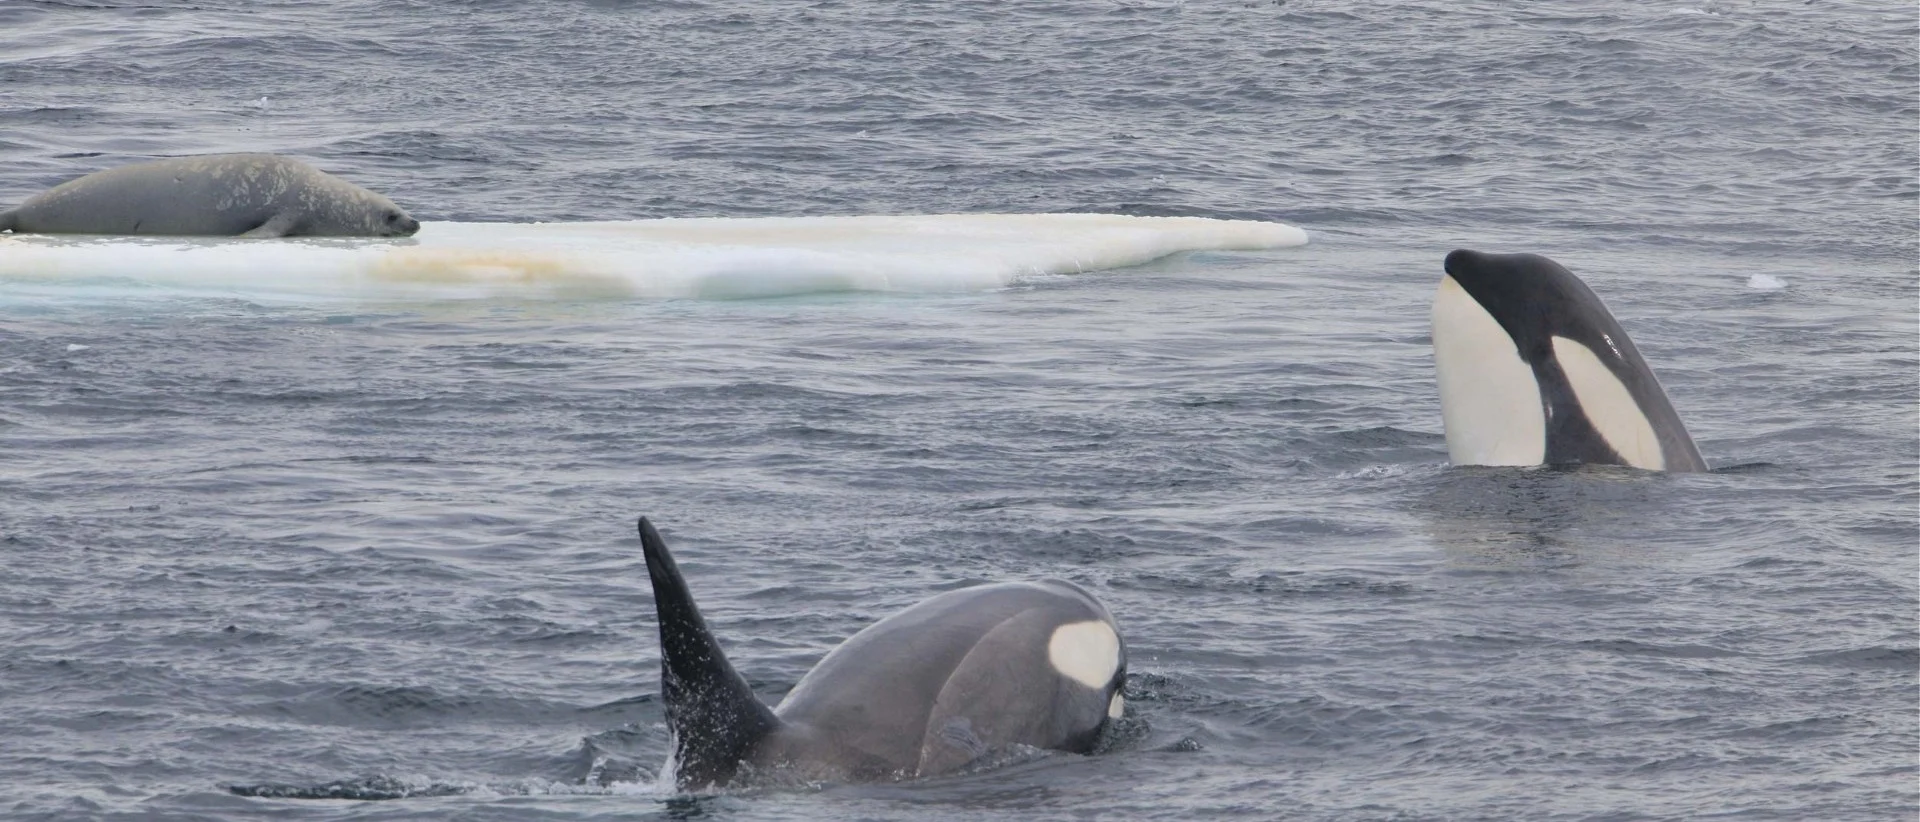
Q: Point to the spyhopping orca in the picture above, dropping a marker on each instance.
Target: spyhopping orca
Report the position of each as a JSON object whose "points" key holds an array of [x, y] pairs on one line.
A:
{"points": [[920, 693], [1533, 370]]}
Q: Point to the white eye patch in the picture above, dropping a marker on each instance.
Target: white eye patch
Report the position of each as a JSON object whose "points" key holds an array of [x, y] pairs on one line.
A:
{"points": [[1609, 406], [1085, 652]]}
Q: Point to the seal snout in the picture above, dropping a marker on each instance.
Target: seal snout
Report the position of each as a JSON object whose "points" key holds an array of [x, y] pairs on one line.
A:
{"points": [[401, 224]]}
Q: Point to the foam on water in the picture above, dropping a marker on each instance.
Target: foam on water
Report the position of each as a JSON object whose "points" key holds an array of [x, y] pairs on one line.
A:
{"points": [[668, 258]]}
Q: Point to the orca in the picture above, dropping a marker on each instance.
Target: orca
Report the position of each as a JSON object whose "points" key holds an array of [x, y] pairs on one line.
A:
{"points": [[959, 676], [1534, 370]]}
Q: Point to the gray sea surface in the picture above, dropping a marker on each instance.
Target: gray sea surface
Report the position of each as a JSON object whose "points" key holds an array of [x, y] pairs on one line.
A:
{"points": [[349, 550]]}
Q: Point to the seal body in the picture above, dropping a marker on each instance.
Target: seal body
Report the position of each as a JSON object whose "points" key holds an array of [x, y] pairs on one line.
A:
{"points": [[960, 676], [1534, 370], [215, 195]]}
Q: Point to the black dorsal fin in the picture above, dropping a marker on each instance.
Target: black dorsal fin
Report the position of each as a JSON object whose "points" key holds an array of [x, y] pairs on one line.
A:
{"points": [[713, 715]]}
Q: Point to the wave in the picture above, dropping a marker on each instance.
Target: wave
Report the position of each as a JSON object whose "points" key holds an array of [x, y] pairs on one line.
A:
{"points": [[707, 258]]}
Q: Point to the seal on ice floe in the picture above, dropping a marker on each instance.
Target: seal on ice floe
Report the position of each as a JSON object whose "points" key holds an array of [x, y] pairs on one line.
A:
{"points": [[213, 195]]}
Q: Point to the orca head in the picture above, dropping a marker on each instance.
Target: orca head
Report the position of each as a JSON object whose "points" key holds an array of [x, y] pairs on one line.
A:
{"points": [[1040, 663], [1533, 369], [712, 715]]}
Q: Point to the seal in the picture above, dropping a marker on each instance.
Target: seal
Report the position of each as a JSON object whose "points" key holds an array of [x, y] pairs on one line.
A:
{"points": [[924, 692], [1534, 370], [213, 195]]}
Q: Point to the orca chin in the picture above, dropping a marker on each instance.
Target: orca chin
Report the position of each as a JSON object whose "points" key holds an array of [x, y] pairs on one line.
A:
{"points": [[1533, 370]]}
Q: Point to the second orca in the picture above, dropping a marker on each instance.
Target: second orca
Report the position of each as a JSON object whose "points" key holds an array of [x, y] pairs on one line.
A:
{"points": [[1534, 370]]}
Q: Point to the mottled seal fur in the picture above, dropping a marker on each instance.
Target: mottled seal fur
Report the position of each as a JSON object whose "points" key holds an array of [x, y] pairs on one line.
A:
{"points": [[214, 195]]}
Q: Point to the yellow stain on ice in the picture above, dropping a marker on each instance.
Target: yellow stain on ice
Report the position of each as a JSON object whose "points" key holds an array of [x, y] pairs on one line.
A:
{"points": [[545, 273]]}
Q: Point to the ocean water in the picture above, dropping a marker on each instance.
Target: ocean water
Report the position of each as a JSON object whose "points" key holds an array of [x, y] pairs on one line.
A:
{"points": [[271, 526]]}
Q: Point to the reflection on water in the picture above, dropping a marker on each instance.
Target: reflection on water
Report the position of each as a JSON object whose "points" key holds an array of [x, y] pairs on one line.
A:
{"points": [[1502, 517]]}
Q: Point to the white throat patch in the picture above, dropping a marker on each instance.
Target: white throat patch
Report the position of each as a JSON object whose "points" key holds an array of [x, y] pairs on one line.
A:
{"points": [[1609, 406], [1085, 652], [1489, 398]]}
